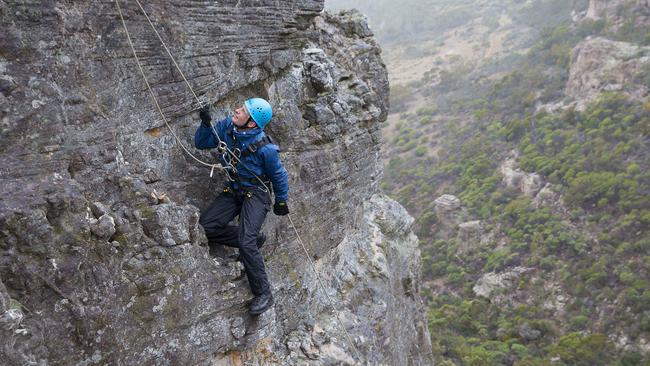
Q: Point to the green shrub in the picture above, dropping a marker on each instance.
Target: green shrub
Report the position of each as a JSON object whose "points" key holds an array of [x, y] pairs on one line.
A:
{"points": [[519, 349], [420, 151], [578, 322], [595, 189], [584, 350]]}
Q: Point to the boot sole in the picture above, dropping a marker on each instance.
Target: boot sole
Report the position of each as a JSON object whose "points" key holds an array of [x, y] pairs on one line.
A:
{"points": [[267, 307]]}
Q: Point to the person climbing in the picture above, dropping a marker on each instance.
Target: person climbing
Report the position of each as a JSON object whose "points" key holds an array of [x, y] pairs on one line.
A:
{"points": [[245, 195]]}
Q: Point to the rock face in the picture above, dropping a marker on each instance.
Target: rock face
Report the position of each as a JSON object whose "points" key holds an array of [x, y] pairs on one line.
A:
{"points": [[372, 268], [448, 210], [609, 10], [103, 258], [599, 64], [527, 183], [492, 285]]}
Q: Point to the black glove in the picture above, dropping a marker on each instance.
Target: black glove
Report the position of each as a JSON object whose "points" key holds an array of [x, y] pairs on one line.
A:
{"points": [[206, 118], [281, 208]]}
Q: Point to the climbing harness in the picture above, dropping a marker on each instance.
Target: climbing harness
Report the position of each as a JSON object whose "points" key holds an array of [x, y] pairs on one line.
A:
{"points": [[252, 147], [231, 155]]}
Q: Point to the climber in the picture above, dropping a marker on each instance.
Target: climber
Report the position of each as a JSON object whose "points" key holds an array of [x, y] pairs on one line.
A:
{"points": [[245, 195]]}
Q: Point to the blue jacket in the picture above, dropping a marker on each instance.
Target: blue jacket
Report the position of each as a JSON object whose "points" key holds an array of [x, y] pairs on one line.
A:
{"points": [[264, 162]]}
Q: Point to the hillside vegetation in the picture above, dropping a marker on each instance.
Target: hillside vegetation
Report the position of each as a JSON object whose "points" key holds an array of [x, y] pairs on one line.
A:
{"points": [[546, 259]]}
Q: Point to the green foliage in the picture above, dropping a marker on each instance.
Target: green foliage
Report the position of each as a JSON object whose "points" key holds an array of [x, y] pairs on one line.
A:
{"points": [[547, 13], [643, 77], [596, 160], [601, 173], [631, 359], [519, 349], [584, 350], [420, 151], [426, 111], [596, 157], [594, 189], [578, 322]]}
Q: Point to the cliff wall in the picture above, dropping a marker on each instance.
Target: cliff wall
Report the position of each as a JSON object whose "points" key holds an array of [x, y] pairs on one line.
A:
{"points": [[97, 268]]}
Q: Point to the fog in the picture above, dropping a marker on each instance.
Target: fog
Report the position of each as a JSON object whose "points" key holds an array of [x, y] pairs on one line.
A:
{"points": [[412, 20]]}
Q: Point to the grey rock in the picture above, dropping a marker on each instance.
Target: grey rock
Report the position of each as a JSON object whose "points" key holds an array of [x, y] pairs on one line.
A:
{"points": [[319, 70], [610, 11], [353, 22], [470, 235], [11, 319], [170, 224], [375, 253], [104, 228], [531, 184], [151, 176], [321, 114], [513, 178], [238, 328], [99, 209], [393, 218], [546, 197], [529, 333], [447, 202], [470, 229], [599, 64], [318, 335], [491, 283], [449, 211]]}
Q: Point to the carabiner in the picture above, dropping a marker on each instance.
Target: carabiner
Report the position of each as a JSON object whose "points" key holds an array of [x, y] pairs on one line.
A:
{"points": [[222, 147]]}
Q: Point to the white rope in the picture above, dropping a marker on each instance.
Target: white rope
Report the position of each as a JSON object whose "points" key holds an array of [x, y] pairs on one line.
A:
{"points": [[169, 53], [230, 152], [153, 96], [232, 155], [322, 286]]}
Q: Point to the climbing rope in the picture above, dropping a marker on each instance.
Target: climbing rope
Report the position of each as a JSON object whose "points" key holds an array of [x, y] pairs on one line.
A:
{"points": [[320, 282], [221, 145], [231, 155], [153, 96]]}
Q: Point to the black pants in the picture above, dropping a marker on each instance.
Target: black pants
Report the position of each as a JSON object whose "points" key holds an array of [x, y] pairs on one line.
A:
{"points": [[252, 211]]}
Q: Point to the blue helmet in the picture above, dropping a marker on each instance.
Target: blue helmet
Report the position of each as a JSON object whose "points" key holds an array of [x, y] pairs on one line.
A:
{"points": [[260, 111]]}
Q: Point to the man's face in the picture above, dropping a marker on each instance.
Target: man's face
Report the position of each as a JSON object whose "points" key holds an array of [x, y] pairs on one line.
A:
{"points": [[241, 117]]}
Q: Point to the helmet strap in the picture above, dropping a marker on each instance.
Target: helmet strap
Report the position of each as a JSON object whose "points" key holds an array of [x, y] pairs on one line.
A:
{"points": [[250, 119], [245, 126]]}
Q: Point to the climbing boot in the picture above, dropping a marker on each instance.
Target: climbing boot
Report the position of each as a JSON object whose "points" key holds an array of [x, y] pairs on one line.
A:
{"points": [[261, 239], [261, 303]]}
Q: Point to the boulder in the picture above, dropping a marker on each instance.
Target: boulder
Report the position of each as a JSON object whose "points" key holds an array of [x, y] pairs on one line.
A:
{"points": [[104, 228], [513, 178], [490, 284], [610, 11], [599, 64], [447, 202], [469, 235], [449, 211]]}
